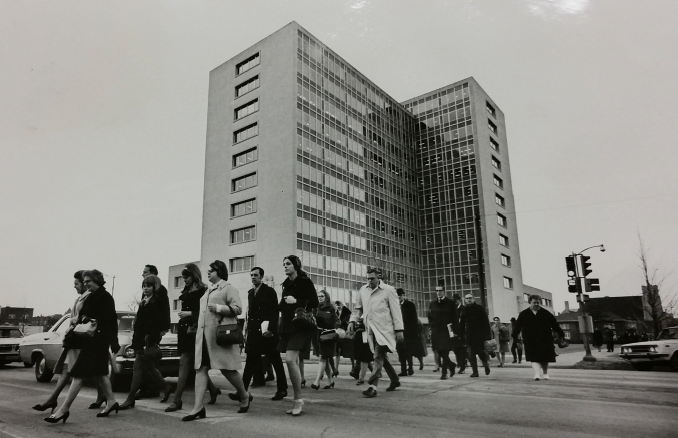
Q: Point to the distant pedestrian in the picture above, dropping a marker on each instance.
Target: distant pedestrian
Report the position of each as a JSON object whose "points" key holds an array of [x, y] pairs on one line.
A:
{"points": [[411, 324], [343, 345], [501, 334], [444, 328], [378, 304], [598, 339], [326, 318], [475, 327], [460, 342], [420, 351], [609, 339], [536, 325], [362, 353]]}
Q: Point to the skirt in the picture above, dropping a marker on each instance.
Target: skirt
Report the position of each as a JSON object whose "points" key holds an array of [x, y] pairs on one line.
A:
{"points": [[361, 350], [327, 349], [298, 341], [504, 347]]}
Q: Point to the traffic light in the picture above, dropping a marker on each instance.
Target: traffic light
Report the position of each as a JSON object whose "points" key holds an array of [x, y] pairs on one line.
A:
{"points": [[592, 285], [585, 266], [573, 286], [571, 266]]}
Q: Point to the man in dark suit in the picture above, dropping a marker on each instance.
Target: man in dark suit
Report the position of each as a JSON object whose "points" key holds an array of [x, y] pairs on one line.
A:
{"points": [[476, 330], [411, 324], [460, 343], [262, 339]]}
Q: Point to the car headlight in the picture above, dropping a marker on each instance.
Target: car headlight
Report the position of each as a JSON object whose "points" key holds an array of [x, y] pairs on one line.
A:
{"points": [[653, 349], [129, 352]]}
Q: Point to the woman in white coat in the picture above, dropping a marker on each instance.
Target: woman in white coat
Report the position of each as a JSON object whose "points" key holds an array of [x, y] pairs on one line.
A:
{"points": [[220, 305]]}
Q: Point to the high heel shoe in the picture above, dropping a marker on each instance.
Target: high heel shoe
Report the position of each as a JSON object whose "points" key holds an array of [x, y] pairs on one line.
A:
{"points": [[200, 414], [166, 397], [175, 406], [243, 410], [297, 408], [52, 419], [213, 397], [105, 413], [303, 383], [331, 385], [41, 407], [124, 406], [97, 404], [314, 386]]}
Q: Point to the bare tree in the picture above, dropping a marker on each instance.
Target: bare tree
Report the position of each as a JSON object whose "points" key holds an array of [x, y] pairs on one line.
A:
{"points": [[658, 305], [133, 305]]}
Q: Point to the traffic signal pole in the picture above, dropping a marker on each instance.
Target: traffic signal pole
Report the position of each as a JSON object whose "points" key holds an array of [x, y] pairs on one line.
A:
{"points": [[585, 336]]}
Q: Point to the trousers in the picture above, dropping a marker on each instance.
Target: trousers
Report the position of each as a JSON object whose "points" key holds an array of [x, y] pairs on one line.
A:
{"points": [[254, 368], [476, 350], [381, 362]]}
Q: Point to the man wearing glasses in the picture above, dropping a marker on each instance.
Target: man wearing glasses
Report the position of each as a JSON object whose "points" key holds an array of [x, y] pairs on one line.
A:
{"points": [[476, 328], [378, 304]]}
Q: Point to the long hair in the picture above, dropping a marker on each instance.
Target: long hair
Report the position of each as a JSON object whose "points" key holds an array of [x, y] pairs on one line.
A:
{"points": [[191, 270], [327, 301], [296, 262], [96, 276]]}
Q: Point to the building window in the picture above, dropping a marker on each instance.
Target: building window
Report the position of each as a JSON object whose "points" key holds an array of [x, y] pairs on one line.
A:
{"points": [[179, 281], [498, 182], [496, 163], [508, 283], [247, 109], [499, 200], [175, 305], [241, 264], [494, 145], [526, 298], [244, 207], [547, 302], [244, 182], [501, 220], [245, 157], [245, 133], [246, 87], [490, 109], [492, 126], [506, 260], [247, 64], [503, 240], [244, 235]]}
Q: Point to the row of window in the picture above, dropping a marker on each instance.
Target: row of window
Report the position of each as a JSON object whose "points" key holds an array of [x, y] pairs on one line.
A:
{"points": [[247, 86], [247, 64], [245, 133], [245, 157], [246, 110], [244, 182]]}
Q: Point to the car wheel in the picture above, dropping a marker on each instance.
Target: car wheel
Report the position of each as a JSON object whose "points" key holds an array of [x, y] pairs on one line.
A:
{"points": [[674, 361], [27, 365], [42, 373], [119, 383], [642, 366]]}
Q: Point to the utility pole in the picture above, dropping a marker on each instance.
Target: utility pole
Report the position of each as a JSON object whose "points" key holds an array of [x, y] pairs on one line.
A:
{"points": [[585, 334]]}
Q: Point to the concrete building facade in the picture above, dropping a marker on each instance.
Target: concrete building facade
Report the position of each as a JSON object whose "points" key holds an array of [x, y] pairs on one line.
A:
{"points": [[307, 156]]}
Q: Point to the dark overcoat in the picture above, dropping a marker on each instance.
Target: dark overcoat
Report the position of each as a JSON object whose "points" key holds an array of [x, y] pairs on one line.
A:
{"points": [[441, 313], [303, 290], [190, 302], [475, 325], [412, 330], [150, 321], [537, 334], [93, 359], [262, 306]]}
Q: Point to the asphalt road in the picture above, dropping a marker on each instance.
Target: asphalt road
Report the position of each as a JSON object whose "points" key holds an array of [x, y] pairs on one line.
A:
{"points": [[574, 403]]}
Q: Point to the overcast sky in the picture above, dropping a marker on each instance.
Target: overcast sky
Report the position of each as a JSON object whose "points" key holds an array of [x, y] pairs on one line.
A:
{"points": [[103, 110]]}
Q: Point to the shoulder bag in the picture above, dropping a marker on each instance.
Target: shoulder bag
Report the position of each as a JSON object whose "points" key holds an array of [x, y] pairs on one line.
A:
{"points": [[85, 329], [328, 335], [229, 334], [304, 320]]}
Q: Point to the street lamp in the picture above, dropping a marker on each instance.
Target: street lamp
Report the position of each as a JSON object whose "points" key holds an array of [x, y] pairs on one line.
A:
{"points": [[588, 357]]}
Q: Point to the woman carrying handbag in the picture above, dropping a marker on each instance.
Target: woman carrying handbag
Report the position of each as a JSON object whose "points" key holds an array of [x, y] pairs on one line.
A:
{"points": [[148, 326], [326, 318], [219, 306], [98, 317]]}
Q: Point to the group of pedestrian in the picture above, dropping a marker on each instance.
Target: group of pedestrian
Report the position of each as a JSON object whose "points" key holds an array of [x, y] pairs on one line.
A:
{"points": [[383, 321]]}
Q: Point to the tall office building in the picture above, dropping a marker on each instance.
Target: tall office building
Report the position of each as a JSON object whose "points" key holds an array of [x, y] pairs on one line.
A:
{"points": [[307, 156]]}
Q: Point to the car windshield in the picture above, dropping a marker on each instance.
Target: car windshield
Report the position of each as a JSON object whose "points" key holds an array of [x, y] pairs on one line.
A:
{"points": [[10, 333], [126, 322], [671, 333]]}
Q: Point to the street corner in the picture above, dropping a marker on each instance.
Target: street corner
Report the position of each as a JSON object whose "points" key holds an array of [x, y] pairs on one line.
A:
{"points": [[608, 363]]}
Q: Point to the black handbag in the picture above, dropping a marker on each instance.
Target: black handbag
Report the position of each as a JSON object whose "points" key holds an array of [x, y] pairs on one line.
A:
{"points": [[328, 335], [304, 320], [229, 334]]}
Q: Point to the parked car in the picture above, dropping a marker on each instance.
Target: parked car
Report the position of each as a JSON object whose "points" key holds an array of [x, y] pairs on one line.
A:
{"points": [[10, 336], [42, 350], [661, 351]]}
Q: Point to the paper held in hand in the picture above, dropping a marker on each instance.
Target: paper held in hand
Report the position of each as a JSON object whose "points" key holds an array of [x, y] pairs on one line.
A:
{"points": [[450, 331], [264, 326]]}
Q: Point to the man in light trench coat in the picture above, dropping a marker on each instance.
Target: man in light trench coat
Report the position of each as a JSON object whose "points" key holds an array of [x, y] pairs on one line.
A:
{"points": [[378, 304]]}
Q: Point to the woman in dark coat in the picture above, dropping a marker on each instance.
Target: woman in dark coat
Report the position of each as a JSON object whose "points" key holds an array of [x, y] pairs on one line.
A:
{"points": [[536, 325], [298, 291], [326, 319], [93, 358], [443, 312], [344, 346], [362, 352], [148, 325], [194, 289]]}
